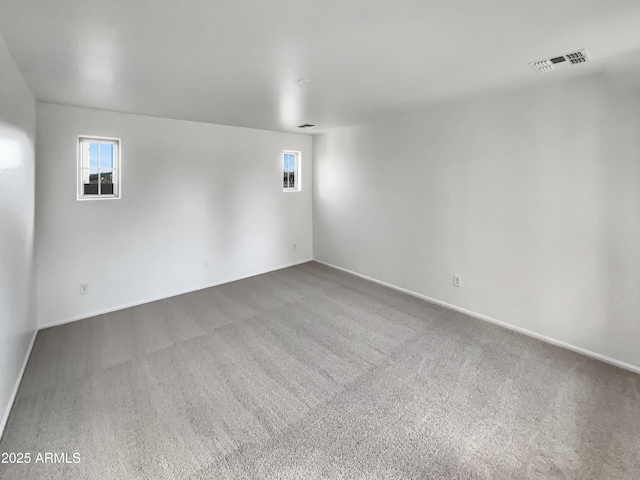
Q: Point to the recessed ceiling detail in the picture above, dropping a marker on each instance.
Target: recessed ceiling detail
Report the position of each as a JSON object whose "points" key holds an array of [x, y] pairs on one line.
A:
{"points": [[561, 61]]}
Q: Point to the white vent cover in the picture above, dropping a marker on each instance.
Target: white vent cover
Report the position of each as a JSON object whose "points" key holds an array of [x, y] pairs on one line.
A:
{"points": [[561, 61]]}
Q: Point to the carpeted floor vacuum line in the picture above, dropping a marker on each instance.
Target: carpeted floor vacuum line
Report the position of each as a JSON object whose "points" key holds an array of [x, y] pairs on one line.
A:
{"points": [[309, 372]]}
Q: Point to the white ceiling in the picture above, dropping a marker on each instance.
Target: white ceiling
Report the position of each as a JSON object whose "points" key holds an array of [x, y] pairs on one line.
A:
{"points": [[236, 62]]}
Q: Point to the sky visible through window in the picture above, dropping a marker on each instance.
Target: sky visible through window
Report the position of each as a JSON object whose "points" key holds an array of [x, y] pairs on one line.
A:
{"points": [[106, 157], [289, 162]]}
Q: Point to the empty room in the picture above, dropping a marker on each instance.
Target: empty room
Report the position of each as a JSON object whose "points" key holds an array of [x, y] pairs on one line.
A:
{"points": [[339, 239]]}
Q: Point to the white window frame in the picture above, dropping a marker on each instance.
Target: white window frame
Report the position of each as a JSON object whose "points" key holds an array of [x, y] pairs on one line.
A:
{"points": [[297, 170], [116, 175]]}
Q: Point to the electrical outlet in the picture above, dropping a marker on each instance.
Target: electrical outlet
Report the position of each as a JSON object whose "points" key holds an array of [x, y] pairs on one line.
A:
{"points": [[205, 264], [84, 288], [457, 281]]}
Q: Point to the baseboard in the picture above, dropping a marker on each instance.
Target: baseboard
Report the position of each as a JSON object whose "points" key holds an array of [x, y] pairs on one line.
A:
{"points": [[162, 297], [530, 333], [12, 398]]}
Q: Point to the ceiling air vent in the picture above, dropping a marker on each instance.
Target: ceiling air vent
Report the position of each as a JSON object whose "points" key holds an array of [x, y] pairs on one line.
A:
{"points": [[306, 125], [562, 61]]}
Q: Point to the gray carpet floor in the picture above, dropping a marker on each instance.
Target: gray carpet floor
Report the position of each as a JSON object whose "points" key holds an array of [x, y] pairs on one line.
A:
{"points": [[308, 372]]}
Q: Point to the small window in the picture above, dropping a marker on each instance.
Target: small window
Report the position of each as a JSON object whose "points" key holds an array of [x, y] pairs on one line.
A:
{"points": [[98, 168], [291, 171]]}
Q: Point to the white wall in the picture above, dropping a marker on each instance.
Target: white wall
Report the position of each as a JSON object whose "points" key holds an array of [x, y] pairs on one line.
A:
{"points": [[532, 195], [17, 305], [190, 192]]}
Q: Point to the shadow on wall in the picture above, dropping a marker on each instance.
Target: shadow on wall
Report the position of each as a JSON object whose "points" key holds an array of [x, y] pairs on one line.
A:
{"points": [[246, 223], [224, 224], [618, 270], [620, 235]]}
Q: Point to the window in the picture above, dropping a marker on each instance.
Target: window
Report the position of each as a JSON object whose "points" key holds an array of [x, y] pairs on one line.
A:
{"points": [[98, 168], [291, 171]]}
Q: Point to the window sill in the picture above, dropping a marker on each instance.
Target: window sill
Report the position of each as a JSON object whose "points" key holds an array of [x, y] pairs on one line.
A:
{"points": [[99, 197]]}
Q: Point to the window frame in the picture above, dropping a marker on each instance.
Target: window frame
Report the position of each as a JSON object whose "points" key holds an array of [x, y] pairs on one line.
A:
{"points": [[117, 156], [297, 170]]}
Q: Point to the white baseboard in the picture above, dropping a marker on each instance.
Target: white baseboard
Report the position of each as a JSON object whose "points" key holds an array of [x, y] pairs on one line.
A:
{"points": [[530, 333], [83, 316], [12, 398]]}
